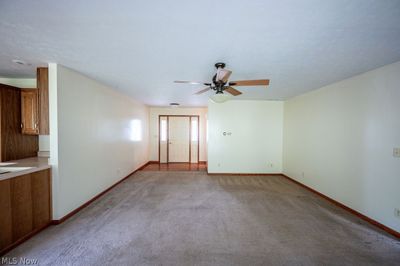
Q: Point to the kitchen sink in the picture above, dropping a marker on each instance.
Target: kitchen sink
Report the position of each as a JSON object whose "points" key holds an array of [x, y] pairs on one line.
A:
{"points": [[10, 169]]}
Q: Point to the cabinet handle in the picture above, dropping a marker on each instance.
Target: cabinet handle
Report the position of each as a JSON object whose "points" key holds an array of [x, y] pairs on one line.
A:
{"points": [[22, 125]]}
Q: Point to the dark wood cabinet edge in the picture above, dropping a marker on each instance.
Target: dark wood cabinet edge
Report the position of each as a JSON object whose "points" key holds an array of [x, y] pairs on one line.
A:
{"points": [[29, 90], [43, 107]]}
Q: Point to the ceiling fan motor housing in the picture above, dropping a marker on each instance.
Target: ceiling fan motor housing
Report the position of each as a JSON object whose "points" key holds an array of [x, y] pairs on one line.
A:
{"points": [[221, 77], [218, 84], [220, 65]]}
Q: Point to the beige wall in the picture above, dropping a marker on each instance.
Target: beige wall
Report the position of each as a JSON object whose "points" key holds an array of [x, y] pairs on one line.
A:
{"points": [[95, 137], [255, 143], [339, 140], [19, 82], [156, 111]]}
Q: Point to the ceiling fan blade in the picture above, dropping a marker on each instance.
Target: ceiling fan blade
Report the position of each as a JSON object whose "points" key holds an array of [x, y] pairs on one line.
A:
{"points": [[233, 91], [190, 82], [257, 82], [202, 91], [223, 74]]}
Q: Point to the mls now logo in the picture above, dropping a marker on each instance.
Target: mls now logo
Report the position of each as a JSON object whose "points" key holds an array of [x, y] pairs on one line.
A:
{"points": [[16, 261], [9, 261]]}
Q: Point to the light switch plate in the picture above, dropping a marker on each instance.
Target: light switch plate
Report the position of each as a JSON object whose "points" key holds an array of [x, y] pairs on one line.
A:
{"points": [[397, 212], [396, 152]]}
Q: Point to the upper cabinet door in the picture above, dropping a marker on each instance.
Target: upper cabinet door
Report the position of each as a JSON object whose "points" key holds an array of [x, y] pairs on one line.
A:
{"points": [[43, 90], [29, 112]]}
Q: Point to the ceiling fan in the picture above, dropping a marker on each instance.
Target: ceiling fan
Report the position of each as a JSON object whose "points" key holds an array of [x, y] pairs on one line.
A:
{"points": [[220, 84]]}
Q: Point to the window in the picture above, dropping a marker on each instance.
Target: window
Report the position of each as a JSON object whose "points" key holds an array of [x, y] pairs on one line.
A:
{"points": [[136, 130], [163, 130], [195, 132], [207, 130]]}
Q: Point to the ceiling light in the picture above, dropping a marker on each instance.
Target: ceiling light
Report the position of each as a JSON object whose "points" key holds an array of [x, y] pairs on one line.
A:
{"points": [[220, 97], [174, 105], [20, 62]]}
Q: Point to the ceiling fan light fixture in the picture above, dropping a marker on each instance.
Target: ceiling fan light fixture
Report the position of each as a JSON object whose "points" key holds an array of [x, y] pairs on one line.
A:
{"points": [[174, 105], [220, 97]]}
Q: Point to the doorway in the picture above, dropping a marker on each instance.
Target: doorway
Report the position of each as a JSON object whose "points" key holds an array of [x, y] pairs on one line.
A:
{"points": [[178, 138]]}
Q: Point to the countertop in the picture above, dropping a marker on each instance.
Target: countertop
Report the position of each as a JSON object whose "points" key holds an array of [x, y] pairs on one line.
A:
{"points": [[38, 164]]}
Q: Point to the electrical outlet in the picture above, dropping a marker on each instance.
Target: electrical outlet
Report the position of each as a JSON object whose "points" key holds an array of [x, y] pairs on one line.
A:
{"points": [[302, 174], [397, 213], [396, 152]]}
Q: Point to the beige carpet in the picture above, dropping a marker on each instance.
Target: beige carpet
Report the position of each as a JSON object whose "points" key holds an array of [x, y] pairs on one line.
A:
{"points": [[189, 218]]}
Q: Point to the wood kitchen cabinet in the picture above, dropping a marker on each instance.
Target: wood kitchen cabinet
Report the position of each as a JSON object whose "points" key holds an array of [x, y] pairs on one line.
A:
{"points": [[13, 144], [5, 208], [42, 78], [29, 112], [21, 206], [35, 106], [41, 198], [25, 206]]}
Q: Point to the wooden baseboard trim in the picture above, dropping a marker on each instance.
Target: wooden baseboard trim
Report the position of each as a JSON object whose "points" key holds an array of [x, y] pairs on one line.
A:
{"points": [[140, 168], [352, 211], [23, 239], [69, 215], [244, 174], [158, 162]]}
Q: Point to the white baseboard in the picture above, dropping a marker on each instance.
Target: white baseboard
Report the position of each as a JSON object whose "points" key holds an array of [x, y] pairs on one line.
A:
{"points": [[43, 154]]}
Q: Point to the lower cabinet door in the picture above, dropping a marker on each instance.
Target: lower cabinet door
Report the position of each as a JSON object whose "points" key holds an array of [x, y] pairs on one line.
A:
{"points": [[25, 206], [21, 206], [40, 182], [5, 216], [29, 112]]}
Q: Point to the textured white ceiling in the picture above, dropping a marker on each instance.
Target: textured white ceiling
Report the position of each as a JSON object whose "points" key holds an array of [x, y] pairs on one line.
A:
{"points": [[140, 47]]}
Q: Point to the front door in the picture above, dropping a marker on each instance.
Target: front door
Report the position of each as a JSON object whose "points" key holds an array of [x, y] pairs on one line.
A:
{"points": [[179, 139]]}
